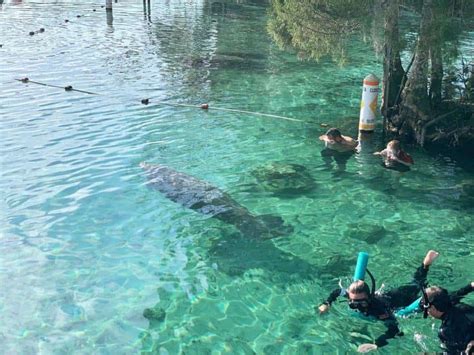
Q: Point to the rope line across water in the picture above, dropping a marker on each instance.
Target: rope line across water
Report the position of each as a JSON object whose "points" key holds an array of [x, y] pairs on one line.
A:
{"points": [[67, 88], [147, 101]]}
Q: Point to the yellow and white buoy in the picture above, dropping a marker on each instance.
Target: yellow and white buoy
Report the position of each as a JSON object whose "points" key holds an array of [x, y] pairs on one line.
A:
{"points": [[368, 104]]}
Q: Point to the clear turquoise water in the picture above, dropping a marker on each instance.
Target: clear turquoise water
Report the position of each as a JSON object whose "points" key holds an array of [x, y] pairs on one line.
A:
{"points": [[86, 247]]}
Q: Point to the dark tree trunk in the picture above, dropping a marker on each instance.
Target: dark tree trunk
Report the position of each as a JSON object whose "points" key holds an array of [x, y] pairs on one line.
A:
{"points": [[415, 105], [436, 78], [436, 57], [393, 70]]}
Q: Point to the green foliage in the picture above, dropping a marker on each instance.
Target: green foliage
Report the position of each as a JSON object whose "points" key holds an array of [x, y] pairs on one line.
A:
{"points": [[317, 28]]}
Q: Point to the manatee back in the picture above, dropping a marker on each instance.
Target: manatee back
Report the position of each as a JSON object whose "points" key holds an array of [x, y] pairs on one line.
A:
{"points": [[189, 191]]}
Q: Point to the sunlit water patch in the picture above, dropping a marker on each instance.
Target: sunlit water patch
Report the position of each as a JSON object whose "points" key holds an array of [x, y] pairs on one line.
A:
{"points": [[92, 260]]}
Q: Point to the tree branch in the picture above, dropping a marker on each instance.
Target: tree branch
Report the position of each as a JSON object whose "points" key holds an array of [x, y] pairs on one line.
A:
{"points": [[432, 122]]}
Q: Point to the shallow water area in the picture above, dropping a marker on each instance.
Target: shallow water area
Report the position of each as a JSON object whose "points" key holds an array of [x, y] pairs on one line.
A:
{"points": [[86, 247]]}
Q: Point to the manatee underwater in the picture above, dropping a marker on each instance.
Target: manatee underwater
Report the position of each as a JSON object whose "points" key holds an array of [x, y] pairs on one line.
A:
{"points": [[251, 248], [202, 197]]}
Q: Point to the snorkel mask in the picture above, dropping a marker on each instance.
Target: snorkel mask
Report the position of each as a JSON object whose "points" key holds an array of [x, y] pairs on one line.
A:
{"points": [[360, 305]]}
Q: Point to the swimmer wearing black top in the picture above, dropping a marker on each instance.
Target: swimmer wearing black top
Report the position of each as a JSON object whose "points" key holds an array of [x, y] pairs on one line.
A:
{"points": [[381, 306], [456, 332]]}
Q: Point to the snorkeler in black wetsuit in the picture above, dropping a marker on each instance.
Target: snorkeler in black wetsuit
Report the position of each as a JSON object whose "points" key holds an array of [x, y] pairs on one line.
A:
{"points": [[457, 319], [382, 306]]}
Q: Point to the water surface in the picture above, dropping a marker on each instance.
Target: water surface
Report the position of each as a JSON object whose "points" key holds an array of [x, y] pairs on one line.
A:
{"points": [[86, 247]]}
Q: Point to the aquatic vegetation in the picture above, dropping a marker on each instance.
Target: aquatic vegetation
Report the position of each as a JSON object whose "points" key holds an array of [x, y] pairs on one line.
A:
{"points": [[154, 314], [370, 233], [284, 179]]}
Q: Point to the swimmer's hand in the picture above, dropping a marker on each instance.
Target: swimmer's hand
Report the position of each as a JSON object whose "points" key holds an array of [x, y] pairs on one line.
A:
{"points": [[383, 153], [365, 348], [323, 308], [430, 257]]}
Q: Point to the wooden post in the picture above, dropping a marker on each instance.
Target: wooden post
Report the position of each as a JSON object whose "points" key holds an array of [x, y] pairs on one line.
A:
{"points": [[110, 17], [108, 5]]}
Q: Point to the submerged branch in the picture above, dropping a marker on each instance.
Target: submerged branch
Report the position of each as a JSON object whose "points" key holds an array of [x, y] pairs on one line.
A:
{"points": [[432, 122]]}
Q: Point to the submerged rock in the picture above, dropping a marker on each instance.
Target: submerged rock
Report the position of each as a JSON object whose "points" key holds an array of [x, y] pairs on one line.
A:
{"points": [[154, 314], [367, 232], [284, 179], [337, 266]]}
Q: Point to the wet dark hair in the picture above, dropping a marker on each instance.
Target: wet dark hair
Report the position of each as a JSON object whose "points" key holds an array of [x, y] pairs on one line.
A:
{"points": [[439, 297], [333, 132]]}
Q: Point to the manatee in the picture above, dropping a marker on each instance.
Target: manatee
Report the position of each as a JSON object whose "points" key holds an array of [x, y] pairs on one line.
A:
{"points": [[202, 197]]}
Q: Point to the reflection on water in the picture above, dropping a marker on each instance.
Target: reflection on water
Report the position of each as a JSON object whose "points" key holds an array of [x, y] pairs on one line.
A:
{"points": [[86, 248]]}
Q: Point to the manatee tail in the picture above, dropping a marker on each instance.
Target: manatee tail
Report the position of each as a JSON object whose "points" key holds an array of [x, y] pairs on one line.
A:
{"points": [[265, 226]]}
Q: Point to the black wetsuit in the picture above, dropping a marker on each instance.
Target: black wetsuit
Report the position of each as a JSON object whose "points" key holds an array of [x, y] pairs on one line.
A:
{"points": [[381, 306], [457, 323]]}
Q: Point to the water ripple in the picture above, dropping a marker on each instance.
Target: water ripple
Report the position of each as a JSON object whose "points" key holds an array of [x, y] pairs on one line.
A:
{"points": [[86, 246]]}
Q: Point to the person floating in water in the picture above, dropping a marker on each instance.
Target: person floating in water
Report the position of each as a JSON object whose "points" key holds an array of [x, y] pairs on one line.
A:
{"points": [[382, 306], [337, 147], [456, 332], [395, 158]]}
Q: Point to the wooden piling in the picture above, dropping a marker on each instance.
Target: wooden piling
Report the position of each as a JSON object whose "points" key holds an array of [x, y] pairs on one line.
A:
{"points": [[110, 17], [108, 5]]}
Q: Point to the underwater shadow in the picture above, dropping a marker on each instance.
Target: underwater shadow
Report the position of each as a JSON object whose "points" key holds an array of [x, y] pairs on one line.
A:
{"points": [[456, 197], [234, 253]]}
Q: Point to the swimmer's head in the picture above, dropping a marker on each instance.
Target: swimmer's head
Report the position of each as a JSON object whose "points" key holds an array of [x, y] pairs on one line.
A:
{"points": [[394, 145], [333, 133], [359, 296], [438, 301], [359, 287]]}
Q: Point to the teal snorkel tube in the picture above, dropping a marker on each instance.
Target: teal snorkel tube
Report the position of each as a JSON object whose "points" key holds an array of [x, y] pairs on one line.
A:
{"points": [[412, 308], [416, 306], [361, 266], [361, 269]]}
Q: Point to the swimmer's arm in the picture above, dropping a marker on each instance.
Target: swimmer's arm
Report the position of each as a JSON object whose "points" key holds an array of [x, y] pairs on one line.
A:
{"points": [[324, 307], [457, 295], [349, 141], [402, 162], [382, 153], [391, 332], [324, 138]]}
